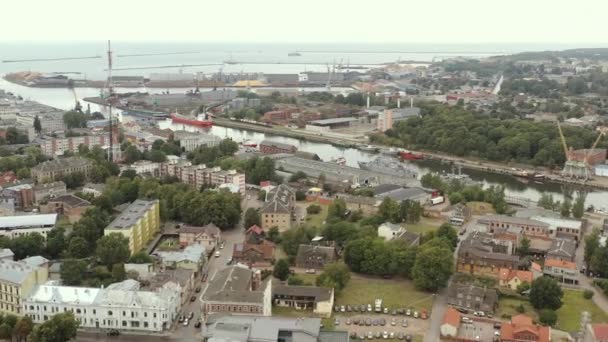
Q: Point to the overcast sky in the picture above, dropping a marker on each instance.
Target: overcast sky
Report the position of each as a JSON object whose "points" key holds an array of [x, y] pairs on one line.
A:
{"points": [[381, 21]]}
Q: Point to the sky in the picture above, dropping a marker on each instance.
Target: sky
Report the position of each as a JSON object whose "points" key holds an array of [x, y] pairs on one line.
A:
{"points": [[314, 21]]}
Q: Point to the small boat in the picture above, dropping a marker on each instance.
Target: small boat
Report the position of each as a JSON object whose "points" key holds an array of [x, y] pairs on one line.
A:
{"points": [[249, 143], [369, 148], [294, 54], [408, 155], [199, 121], [339, 161]]}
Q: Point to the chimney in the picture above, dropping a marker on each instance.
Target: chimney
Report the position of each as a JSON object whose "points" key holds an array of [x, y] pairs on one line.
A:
{"points": [[412, 102], [368, 99], [398, 101]]}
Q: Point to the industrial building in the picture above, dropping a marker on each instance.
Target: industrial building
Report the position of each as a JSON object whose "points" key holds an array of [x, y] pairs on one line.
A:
{"points": [[14, 226], [325, 125]]}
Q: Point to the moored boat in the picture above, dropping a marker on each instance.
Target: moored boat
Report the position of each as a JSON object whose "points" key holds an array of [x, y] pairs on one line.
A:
{"points": [[200, 122]]}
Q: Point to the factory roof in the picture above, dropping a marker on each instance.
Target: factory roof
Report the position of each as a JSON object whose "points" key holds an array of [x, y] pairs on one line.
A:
{"points": [[510, 219], [71, 201], [193, 253], [132, 214], [257, 328], [35, 260], [332, 121], [14, 271], [6, 253], [24, 221], [558, 222], [402, 194]]}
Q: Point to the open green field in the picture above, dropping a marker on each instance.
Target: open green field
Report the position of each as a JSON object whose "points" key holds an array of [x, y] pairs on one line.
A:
{"points": [[569, 315], [426, 224], [316, 220], [395, 293], [507, 307], [481, 208]]}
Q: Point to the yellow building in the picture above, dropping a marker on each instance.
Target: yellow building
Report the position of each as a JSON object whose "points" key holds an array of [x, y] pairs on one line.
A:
{"points": [[138, 223], [17, 279]]}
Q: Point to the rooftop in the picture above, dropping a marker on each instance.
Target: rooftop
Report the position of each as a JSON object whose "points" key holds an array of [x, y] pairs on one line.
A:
{"points": [[508, 274], [132, 214], [35, 261], [279, 200], [332, 121], [61, 164], [193, 253], [24, 221], [257, 328], [513, 220], [278, 144], [451, 317], [563, 248], [600, 331], [232, 284], [209, 229], [44, 186], [558, 222], [560, 264], [320, 294], [71, 201], [14, 271], [6, 253]]}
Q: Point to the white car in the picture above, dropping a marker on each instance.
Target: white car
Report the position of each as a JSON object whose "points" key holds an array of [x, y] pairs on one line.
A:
{"points": [[186, 321], [217, 254]]}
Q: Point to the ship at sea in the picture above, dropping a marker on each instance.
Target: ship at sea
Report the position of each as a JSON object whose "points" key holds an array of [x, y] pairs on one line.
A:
{"points": [[388, 165], [463, 179], [294, 54], [201, 121]]}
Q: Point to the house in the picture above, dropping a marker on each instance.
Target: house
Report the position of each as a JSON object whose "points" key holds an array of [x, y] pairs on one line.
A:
{"points": [[596, 332], [208, 236], [391, 231], [255, 234], [277, 212], [238, 290], [562, 249], [181, 279], [564, 271], [521, 328], [17, 280], [481, 254], [319, 299], [192, 257], [451, 323], [472, 297], [314, 257], [513, 278], [261, 254], [69, 206]]}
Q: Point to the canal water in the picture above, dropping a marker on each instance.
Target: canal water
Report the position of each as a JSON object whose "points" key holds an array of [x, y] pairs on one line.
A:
{"points": [[64, 99]]}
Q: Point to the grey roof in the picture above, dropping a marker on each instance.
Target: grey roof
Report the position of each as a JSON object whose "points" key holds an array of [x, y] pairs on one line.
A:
{"points": [[393, 227], [95, 186], [511, 220], [320, 294], [6, 253], [404, 113], [563, 248], [258, 328], [132, 214], [332, 121], [469, 295], [483, 245], [313, 251], [71, 200], [35, 261], [52, 185], [232, 284], [14, 272], [410, 237], [63, 163], [403, 194], [382, 188], [279, 200], [126, 285], [193, 253], [209, 229], [28, 221]]}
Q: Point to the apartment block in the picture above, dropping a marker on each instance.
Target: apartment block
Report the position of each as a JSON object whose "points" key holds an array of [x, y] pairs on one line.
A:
{"points": [[138, 223]]}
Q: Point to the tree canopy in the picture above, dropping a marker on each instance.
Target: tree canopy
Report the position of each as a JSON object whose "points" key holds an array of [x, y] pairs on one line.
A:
{"points": [[546, 293]]}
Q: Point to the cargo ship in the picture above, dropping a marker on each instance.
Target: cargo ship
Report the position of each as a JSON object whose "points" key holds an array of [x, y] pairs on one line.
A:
{"points": [[407, 155], [249, 143], [199, 121]]}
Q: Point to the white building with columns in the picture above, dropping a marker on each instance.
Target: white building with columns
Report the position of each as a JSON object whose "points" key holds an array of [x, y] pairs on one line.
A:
{"points": [[116, 307]]}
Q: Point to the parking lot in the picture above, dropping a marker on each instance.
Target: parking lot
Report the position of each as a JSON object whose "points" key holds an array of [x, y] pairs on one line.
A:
{"points": [[478, 331]]}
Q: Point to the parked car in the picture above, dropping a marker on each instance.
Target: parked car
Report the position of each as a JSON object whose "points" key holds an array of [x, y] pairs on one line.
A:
{"points": [[198, 324], [378, 334], [497, 326], [229, 262], [180, 319], [393, 322], [186, 322], [423, 314], [382, 322], [336, 322], [193, 298], [385, 334], [408, 338], [385, 311], [311, 271], [394, 312], [191, 315], [348, 321], [336, 308], [463, 310], [362, 308], [391, 335], [353, 335], [342, 308], [356, 308], [349, 308], [408, 312], [217, 254], [113, 332], [415, 314], [369, 308], [368, 322], [375, 322], [400, 335], [404, 323], [370, 335], [466, 320]]}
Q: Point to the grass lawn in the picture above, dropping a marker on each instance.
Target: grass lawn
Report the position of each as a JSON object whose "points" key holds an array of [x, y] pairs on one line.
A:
{"points": [[316, 220], [395, 293], [507, 307], [426, 224], [308, 278], [569, 315], [481, 208]]}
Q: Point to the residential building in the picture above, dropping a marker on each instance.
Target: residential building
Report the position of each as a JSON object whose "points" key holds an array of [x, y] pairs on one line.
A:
{"points": [[238, 290], [222, 177], [472, 297], [596, 332], [14, 226], [192, 257], [51, 120], [57, 168], [94, 189], [190, 141], [45, 191], [278, 210], [367, 205], [6, 254], [199, 175], [513, 278], [536, 269], [451, 323], [273, 147], [255, 235], [17, 279], [314, 256], [256, 329], [182, 279], [142, 167], [521, 328], [53, 147], [70, 206], [481, 254], [259, 255], [392, 231], [562, 249], [563, 271], [21, 194], [138, 223], [122, 308], [208, 236], [7, 206], [319, 299]]}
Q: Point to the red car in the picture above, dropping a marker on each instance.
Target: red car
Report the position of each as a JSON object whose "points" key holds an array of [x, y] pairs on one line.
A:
{"points": [[423, 314]]}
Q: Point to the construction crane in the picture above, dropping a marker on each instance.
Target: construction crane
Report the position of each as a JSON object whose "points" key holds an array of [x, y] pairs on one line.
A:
{"points": [[574, 168]]}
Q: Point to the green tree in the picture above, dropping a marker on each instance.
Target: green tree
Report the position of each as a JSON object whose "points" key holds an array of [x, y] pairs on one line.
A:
{"points": [[78, 248], [336, 210], [131, 154], [578, 208], [28, 245], [446, 231], [281, 269], [37, 125], [546, 293], [389, 210], [274, 235], [118, 272], [547, 317], [546, 201], [252, 217], [599, 261], [313, 209], [61, 327], [524, 247], [72, 271], [6, 332], [592, 244], [565, 208], [297, 176], [55, 242], [140, 257], [411, 211], [113, 249], [433, 267], [23, 328], [157, 156], [300, 195], [294, 280], [74, 119], [340, 232], [335, 275]]}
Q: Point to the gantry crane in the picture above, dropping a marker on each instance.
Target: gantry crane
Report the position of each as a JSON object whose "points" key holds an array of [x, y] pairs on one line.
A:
{"points": [[576, 168]]}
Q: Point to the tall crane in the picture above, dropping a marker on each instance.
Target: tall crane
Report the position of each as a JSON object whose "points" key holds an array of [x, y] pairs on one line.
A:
{"points": [[574, 168]]}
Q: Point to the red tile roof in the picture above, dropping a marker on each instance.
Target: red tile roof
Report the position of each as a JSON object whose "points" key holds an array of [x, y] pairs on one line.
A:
{"points": [[560, 264], [600, 331], [507, 274], [523, 324], [536, 267], [255, 229], [451, 317]]}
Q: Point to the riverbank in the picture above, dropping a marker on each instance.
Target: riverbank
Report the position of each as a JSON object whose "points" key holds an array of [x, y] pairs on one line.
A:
{"points": [[466, 162]]}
